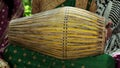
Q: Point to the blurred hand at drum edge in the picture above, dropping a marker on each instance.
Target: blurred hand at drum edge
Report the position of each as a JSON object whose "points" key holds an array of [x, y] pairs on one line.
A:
{"points": [[108, 31]]}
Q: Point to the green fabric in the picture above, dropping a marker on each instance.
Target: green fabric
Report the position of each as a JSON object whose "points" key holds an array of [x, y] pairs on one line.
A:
{"points": [[68, 3], [27, 7], [19, 57]]}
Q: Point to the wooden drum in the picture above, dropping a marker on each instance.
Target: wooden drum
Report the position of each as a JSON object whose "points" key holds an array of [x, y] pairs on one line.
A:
{"points": [[64, 33], [3, 64]]}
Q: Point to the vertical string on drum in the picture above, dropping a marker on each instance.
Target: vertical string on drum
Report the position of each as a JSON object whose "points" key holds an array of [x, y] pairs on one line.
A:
{"points": [[65, 27]]}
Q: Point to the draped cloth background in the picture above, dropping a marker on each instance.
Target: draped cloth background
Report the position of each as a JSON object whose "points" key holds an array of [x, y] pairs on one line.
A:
{"points": [[43, 5], [111, 11], [4, 21]]}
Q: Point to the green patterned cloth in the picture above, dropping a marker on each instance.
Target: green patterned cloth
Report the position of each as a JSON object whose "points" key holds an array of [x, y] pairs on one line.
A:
{"points": [[19, 57]]}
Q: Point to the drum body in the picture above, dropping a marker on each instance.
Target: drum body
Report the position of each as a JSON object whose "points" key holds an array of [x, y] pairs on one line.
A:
{"points": [[3, 64], [64, 33]]}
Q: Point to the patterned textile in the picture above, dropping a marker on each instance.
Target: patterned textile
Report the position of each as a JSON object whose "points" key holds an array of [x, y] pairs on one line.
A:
{"points": [[43, 5], [104, 8], [4, 21], [117, 58], [3, 25], [19, 57], [114, 41], [111, 11], [113, 44], [115, 13]]}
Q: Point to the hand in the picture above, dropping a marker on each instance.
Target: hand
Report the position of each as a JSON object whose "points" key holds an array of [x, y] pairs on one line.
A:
{"points": [[108, 30]]}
